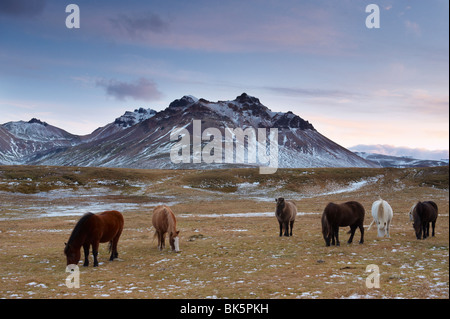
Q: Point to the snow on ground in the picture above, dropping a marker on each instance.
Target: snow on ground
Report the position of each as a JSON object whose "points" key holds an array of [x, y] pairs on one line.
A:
{"points": [[100, 197], [261, 214]]}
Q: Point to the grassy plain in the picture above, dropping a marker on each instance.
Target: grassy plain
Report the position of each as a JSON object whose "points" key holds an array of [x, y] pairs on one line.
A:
{"points": [[224, 255]]}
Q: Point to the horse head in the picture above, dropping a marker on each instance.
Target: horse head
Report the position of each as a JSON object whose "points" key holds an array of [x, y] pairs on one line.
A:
{"points": [[417, 219], [280, 205], [175, 241], [73, 255]]}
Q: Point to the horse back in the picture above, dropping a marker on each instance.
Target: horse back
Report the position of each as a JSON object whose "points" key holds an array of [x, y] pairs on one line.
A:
{"points": [[381, 210], [428, 211], [345, 214], [108, 225], [291, 210], [357, 208]]}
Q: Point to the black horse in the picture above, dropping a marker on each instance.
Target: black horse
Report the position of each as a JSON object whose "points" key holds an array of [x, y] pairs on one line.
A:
{"points": [[423, 214], [340, 215]]}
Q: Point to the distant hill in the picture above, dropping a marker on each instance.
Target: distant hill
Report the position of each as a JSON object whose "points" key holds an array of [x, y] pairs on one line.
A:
{"points": [[400, 161]]}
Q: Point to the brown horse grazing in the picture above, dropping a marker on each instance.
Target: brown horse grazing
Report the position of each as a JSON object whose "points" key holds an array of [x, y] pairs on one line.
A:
{"points": [[423, 214], [164, 221], [285, 213], [346, 214], [93, 229]]}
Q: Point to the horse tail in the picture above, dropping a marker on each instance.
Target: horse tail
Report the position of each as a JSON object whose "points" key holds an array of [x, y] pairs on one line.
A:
{"points": [[373, 220], [326, 223], [381, 210], [171, 220]]}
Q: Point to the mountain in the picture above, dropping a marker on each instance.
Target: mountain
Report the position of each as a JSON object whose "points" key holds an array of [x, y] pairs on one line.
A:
{"points": [[141, 139], [400, 161], [121, 123], [19, 141]]}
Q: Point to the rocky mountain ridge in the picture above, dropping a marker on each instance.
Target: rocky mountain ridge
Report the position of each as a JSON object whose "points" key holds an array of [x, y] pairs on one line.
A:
{"points": [[141, 139]]}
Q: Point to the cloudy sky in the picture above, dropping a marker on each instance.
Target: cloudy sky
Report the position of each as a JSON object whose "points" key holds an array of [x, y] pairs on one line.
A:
{"points": [[316, 58]]}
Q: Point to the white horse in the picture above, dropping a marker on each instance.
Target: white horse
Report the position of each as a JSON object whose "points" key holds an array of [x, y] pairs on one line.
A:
{"points": [[382, 213]]}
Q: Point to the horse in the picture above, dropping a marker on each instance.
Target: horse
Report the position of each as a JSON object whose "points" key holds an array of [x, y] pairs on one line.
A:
{"points": [[93, 229], [382, 214], [346, 214], [285, 213], [424, 213], [164, 221]]}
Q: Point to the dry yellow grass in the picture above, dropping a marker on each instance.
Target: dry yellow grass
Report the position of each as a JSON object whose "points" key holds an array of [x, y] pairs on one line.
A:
{"points": [[224, 256]]}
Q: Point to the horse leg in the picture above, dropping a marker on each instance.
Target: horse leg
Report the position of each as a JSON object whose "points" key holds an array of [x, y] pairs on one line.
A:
{"points": [[114, 253], [111, 248], [333, 242], [428, 229], [163, 241], [336, 234], [95, 252], [361, 229], [433, 224], [292, 226], [286, 229], [352, 233], [159, 240], [387, 229], [281, 228], [86, 255]]}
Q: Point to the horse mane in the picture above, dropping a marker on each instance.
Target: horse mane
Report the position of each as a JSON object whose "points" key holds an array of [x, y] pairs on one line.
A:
{"points": [[419, 210], [172, 224], [78, 227]]}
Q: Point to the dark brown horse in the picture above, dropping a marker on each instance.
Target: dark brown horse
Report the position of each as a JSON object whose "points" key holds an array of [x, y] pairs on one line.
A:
{"points": [[340, 215], [164, 221], [93, 229], [423, 214], [285, 213]]}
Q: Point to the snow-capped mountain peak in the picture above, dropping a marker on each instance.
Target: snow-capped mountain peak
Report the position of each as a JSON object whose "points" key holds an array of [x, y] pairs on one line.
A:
{"points": [[131, 118], [36, 130]]}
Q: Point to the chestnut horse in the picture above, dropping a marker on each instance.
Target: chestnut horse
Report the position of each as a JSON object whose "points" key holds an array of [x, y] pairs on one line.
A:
{"points": [[93, 229], [346, 214], [424, 213], [164, 221]]}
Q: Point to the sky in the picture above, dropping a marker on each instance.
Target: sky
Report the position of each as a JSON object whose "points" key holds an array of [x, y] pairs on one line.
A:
{"points": [[316, 58]]}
